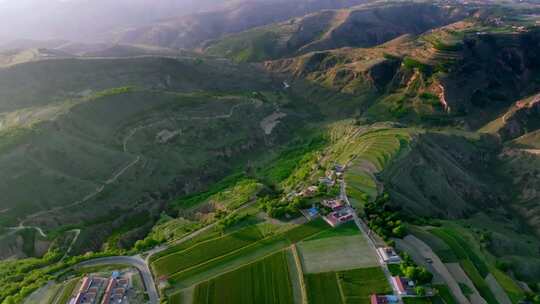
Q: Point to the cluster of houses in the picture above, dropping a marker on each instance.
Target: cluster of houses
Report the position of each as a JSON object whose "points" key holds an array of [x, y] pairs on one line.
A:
{"points": [[109, 290], [340, 211], [401, 285]]}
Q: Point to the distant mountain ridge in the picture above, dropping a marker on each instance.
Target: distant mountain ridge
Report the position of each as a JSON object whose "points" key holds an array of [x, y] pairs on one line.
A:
{"points": [[192, 30], [360, 26]]}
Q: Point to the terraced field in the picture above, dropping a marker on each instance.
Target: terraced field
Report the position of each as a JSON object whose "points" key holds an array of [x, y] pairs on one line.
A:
{"points": [[474, 266], [367, 151]]}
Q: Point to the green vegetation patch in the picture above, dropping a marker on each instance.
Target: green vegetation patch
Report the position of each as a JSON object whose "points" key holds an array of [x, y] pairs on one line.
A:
{"points": [[359, 284], [265, 281], [67, 290], [508, 284], [472, 264], [350, 286], [206, 251], [237, 195], [445, 294], [478, 281], [322, 288], [273, 242], [461, 249], [292, 159]]}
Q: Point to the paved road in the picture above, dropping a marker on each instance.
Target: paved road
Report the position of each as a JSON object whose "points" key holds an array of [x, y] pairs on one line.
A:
{"points": [[370, 241], [135, 261], [420, 251]]}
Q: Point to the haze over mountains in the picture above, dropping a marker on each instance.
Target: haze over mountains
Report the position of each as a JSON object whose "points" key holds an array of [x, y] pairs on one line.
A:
{"points": [[171, 23], [128, 127]]}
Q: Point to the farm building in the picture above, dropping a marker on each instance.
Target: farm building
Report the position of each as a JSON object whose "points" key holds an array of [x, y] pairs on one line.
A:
{"points": [[339, 217], [403, 285], [310, 191], [388, 255], [116, 289], [326, 181], [334, 204], [378, 299]]}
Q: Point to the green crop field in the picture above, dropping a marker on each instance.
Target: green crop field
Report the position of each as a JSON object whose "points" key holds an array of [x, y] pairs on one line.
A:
{"points": [[233, 259], [461, 248], [509, 286], [264, 281], [445, 294], [205, 251], [359, 284], [347, 287], [336, 253], [475, 268], [322, 288], [301, 232]]}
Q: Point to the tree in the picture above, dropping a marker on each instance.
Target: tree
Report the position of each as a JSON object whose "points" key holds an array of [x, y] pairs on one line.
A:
{"points": [[424, 276], [399, 231], [420, 291], [410, 272]]}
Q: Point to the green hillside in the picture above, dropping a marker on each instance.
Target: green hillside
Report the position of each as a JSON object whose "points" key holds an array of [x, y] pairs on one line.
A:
{"points": [[223, 173], [372, 24]]}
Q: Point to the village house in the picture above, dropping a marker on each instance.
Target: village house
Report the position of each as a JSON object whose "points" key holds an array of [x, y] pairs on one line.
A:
{"points": [[339, 217], [309, 191], [379, 299], [326, 181], [388, 255], [334, 204], [116, 289], [403, 285], [89, 290]]}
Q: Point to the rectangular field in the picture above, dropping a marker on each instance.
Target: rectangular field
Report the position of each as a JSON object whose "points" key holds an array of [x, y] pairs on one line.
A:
{"points": [[247, 254], [266, 281], [346, 287], [336, 253], [323, 288], [359, 284], [206, 251]]}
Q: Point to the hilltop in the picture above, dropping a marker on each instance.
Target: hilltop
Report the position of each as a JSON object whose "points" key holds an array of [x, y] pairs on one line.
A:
{"points": [[361, 26]]}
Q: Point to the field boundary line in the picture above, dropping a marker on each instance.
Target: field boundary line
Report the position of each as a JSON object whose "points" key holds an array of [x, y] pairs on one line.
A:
{"points": [[298, 263], [341, 292], [254, 244], [270, 238], [236, 268], [202, 243]]}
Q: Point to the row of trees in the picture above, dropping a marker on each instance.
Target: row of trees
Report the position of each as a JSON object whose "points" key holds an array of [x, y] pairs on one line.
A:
{"points": [[384, 219]]}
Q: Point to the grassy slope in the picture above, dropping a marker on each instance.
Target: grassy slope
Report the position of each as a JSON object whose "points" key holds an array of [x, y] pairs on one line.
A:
{"points": [[372, 25]]}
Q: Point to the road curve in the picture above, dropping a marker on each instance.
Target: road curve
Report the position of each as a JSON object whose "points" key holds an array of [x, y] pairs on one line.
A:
{"points": [[135, 261]]}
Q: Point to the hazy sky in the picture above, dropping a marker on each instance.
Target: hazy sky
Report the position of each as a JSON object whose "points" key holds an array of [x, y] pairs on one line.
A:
{"points": [[82, 20]]}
